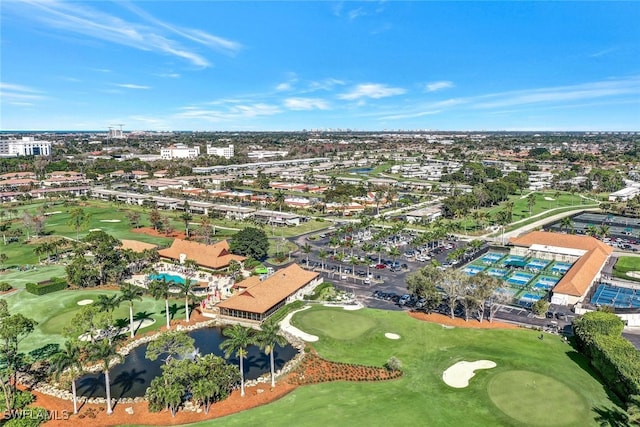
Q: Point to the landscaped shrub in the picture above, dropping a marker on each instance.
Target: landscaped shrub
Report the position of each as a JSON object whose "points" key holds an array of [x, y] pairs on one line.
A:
{"points": [[540, 307], [598, 336], [320, 290], [393, 364], [42, 288], [4, 287], [282, 312]]}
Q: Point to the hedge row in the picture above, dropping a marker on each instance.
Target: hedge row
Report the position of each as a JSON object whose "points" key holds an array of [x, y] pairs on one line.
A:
{"points": [[599, 336], [53, 285]]}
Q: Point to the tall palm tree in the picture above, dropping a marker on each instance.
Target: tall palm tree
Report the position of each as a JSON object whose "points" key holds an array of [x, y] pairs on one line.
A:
{"points": [[322, 254], [186, 289], [68, 359], [531, 201], [108, 303], [160, 290], [238, 339], [566, 224], [102, 352], [267, 338], [306, 249], [130, 293]]}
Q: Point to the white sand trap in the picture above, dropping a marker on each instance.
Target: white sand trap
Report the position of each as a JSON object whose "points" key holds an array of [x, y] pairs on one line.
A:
{"points": [[110, 220], [52, 213], [634, 274], [85, 301], [350, 307], [392, 336], [95, 229], [458, 375], [551, 199], [286, 325]]}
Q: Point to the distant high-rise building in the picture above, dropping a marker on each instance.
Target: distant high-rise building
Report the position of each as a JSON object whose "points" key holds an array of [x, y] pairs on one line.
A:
{"points": [[226, 152], [26, 146]]}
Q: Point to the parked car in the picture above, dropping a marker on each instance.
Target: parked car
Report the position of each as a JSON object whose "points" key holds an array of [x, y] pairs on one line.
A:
{"points": [[380, 266]]}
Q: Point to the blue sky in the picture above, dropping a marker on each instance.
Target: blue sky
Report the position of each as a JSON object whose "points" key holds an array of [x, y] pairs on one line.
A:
{"points": [[203, 65]]}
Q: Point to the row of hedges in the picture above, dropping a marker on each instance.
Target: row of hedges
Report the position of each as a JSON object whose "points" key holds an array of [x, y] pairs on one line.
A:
{"points": [[53, 285], [598, 335]]}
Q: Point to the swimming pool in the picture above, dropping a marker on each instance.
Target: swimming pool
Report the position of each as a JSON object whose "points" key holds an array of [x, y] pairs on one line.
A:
{"points": [[168, 277]]}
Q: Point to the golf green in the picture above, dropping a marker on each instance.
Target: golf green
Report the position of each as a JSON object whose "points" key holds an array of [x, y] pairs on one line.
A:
{"points": [[536, 399], [337, 324]]}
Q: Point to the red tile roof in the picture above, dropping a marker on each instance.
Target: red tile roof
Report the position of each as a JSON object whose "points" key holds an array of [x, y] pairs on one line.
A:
{"points": [[581, 275], [212, 256], [259, 296]]}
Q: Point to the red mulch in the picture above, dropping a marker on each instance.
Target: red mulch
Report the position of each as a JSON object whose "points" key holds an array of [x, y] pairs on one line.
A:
{"points": [[314, 369], [151, 232], [461, 323]]}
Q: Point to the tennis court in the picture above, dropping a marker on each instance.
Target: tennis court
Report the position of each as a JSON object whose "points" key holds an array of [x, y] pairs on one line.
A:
{"points": [[472, 270], [497, 272], [545, 283], [520, 279], [616, 296], [561, 267], [491, 257], [537, 264]]}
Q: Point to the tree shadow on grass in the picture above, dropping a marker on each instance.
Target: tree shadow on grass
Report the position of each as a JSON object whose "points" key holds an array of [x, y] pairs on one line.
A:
{"points": [[173, 310], [611, 417], [583, 362]]}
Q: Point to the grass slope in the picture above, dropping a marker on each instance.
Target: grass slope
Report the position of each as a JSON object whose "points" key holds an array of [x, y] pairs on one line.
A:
{"points": [[420, 397]]}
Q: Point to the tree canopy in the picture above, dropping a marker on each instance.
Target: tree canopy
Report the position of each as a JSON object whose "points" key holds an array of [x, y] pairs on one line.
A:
{"points": [[250, 242]]}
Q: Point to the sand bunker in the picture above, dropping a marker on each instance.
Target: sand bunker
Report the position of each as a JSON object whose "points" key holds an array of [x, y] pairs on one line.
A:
{"points": [[392, 336], [110, 220], [458, 375], [350, 307], [95, 229], [549, 199], [634, 274], [286, 326], [85, 301]]}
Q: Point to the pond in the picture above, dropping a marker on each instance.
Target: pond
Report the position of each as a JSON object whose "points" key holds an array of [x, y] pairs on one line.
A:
{"points": [[131, 378], [361, 170]]}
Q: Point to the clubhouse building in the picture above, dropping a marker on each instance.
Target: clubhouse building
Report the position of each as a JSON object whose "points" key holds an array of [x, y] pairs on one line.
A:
{"points": [[214, 257], [587, 256], [257, 297]]}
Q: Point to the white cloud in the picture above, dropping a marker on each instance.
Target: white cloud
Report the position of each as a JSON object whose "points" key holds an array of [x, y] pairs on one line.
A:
{"points": [[371, 90], [306, 104], [154, 35], [232, 112], [282, 87], [132, 86], [436, 86], [17, 94], [607, 88], [326, 84], [169, 75]]}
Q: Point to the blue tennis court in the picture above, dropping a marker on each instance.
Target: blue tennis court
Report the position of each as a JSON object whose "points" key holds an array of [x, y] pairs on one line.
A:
{"points": [[537, 264], [561, 267], [520, 279], [545, 283], [491, 257], [616, 296], [472, 270], [497, 272], [528, 298]]}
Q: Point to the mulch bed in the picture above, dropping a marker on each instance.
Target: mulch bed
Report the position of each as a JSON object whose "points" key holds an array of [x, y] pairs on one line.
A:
{"points": [[151, 232], [461, 323]]}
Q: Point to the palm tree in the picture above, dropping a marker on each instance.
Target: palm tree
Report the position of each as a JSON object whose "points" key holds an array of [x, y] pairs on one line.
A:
{"points": [[322, 254], [108, 302], [267, 338], [531, 201], [566, 224], [186, 289], [103, 351], [78, 218], [130, 293], [238, 339], [306, 249], [186, 217], [279, 198], [160, 290], [68, 359]]}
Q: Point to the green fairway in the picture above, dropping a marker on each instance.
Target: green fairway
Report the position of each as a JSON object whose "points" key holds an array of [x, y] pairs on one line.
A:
{"points": [[626, 264], [54, 311], [18, 279], [536, 399], [421, 397]]}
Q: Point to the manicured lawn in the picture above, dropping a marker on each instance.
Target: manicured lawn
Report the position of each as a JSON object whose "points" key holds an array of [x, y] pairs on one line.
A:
{"points": [[18, 279], [626, 264], [564, 384], [54, 311]]}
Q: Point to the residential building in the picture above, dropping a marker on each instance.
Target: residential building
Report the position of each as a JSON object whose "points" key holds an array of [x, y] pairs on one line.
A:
{"points": [[26, 146], [179, 151], [226, 152]]}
